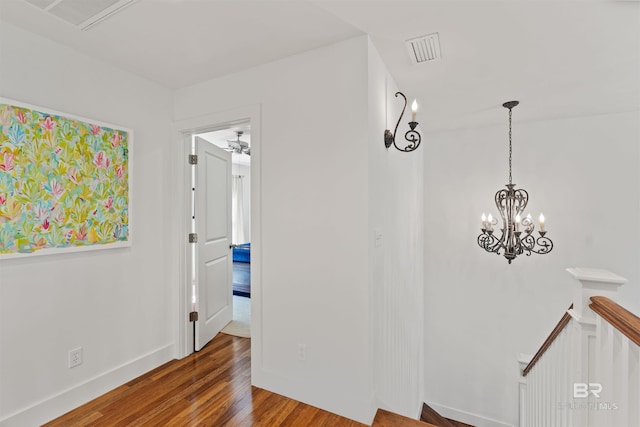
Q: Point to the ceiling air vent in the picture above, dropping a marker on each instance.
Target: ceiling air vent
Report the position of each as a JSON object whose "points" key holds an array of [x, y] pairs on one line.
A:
{"points": [[424, 48], [82, 14]]}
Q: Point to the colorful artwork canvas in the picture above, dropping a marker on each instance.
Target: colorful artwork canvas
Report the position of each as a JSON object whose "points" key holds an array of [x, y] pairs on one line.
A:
{"points": [[64, 182]]}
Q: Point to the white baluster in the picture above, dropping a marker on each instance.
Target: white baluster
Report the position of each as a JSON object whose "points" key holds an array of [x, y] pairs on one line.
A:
{"points": [[553, 382], [536, 398], [634, 385], [604, 371], [620, 395], [565, 368]]}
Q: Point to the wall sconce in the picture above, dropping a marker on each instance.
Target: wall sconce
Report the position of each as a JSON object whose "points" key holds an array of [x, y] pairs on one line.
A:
{"points": [[412, 135]]}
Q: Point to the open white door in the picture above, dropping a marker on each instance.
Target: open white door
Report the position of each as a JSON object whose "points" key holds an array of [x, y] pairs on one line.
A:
{"points": [[214, 262]]}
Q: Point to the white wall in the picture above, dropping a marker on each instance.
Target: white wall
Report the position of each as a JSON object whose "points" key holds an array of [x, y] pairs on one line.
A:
{"points": [[481, 312], [314, 282], [396, 263], [318, 214], [114, 303], [327, 183]]}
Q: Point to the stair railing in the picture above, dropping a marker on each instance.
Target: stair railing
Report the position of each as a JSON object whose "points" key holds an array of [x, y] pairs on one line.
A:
{"points": [[587, 372]]}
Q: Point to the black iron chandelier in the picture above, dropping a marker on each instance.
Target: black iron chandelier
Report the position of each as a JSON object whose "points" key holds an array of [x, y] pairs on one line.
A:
{"points": [[516, 235]]}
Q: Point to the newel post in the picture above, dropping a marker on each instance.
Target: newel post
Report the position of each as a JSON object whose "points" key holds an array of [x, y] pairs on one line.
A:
{"points": [[589, 282], [593, 282]]}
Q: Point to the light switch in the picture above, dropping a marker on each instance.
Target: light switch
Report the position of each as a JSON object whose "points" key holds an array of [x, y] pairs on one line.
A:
{"points": [[378, 237]]}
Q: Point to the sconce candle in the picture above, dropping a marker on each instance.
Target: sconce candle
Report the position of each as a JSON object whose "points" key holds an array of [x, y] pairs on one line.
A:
{"points": [[412, 135], [414, 108], [542, 222]]}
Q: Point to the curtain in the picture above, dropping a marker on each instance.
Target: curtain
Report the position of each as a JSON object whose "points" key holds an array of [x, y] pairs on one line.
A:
{"points": [[237, 210]]}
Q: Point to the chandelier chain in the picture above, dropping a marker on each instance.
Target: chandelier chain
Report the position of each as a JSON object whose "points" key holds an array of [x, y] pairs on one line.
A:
{"points": [[510, 150]]}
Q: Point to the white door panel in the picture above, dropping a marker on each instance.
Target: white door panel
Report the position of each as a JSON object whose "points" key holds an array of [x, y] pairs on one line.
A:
{"points": [[213, 226], [217, 300], [217, 181]]}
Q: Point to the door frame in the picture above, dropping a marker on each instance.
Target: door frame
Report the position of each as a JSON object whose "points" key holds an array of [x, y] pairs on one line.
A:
{"points": [[182, 131]]}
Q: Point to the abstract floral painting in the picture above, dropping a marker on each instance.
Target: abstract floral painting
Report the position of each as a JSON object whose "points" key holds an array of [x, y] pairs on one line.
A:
{"points": [[64, 182]]}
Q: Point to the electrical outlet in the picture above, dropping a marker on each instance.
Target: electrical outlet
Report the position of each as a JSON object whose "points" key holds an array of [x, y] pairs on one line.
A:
{"points": [[302, 352], [75, 357]]}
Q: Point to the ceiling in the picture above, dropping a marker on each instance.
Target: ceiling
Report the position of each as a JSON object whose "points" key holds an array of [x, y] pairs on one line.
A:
{"points": [[559, 58]]}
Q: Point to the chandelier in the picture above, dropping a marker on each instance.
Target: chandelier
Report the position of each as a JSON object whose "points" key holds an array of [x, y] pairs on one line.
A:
{"points": [[516, 235]]}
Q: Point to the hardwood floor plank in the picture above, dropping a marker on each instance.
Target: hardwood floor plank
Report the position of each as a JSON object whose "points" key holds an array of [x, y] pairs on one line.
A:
{"points": [[209, 388], [387, 419], [301, 415]]}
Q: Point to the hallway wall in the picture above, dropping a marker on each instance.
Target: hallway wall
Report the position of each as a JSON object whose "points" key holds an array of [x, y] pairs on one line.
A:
{"points": [[314, 286], [113, 303]]}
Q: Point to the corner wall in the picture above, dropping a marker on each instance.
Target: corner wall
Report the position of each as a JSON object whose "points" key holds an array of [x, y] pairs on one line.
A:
{"points": [[481, 312], [113, 303], [396, 256]]}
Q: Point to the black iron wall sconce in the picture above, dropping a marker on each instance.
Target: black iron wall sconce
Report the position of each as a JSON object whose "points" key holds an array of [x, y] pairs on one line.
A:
{"points": [[412, 135]]}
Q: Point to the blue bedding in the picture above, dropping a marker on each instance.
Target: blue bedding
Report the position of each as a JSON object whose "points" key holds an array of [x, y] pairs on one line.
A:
{"points": [[242, 253]]}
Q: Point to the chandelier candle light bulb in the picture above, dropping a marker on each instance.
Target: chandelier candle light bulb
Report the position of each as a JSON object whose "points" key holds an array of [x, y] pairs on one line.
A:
{"points": [[542, 223]]}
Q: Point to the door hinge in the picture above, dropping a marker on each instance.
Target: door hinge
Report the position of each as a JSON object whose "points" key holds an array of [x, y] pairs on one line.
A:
{"points": [[193, 159], [193, 237], [193, 316]]}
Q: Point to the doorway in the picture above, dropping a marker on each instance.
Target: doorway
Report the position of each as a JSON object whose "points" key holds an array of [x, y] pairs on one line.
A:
{"points": [[184, 130], [236, 139]]}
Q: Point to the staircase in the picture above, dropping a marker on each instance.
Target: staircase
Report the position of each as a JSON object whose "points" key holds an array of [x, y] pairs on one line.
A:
{"points": [[587, 372], [430, 415], [428, 418]]}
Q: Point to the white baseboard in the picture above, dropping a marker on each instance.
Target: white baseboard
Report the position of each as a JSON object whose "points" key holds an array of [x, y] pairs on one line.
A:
{"points": [[61, 403], [467, 417], [335, 400]]}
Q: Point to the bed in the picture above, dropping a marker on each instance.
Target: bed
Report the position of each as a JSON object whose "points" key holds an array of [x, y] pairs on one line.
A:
{"points": [[242, 270]]}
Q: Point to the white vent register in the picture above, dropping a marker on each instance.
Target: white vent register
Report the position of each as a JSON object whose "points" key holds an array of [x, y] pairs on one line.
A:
{"points": [[82, 14], [424, 48]]}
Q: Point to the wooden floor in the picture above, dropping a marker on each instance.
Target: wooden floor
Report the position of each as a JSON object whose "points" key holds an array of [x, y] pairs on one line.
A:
{"points": [[208, 388]]}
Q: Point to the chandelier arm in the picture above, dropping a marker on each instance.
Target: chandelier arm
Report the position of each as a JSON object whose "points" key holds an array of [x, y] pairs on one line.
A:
{"points": [[529, 242], [485, 241], [546, 245], [528, 225], [490, 243]]}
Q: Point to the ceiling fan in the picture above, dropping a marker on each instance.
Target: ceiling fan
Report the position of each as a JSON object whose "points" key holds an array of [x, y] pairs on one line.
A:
{"points": [[237, 146]]}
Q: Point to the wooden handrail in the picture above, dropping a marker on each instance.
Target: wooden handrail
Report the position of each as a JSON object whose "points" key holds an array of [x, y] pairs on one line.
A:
{"points": [[618, 316], [547, 343]]}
